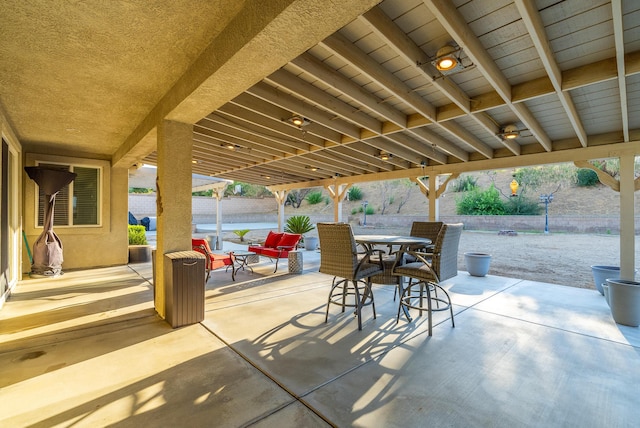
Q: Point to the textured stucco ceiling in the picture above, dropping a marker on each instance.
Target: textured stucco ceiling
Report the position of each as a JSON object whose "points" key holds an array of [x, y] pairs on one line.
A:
{"points": [[83, 75]]}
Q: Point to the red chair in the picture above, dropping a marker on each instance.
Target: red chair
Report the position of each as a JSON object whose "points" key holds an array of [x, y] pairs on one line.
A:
{"points": [[213, 260]]}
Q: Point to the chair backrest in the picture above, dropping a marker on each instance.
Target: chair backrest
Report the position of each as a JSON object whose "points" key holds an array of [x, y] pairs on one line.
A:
{"points": [[198, 244], [445, 252], [426, 229], [338, 253]]}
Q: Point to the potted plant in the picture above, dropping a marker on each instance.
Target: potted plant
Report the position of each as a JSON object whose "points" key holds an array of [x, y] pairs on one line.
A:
{"points": [[139, 250], [301, 224]]}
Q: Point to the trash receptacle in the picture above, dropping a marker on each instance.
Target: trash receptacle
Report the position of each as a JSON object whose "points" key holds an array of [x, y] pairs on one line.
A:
{"points": [[184, 274]]}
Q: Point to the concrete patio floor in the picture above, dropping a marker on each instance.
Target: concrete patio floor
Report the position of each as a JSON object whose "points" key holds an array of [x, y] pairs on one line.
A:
{"points": [[87, 349]]}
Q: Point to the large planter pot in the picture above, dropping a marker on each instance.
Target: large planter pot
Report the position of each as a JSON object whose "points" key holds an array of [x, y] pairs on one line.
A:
{"points": [[139, 253], [624, 300], [601, 273], [477, 263], [310, 243]]}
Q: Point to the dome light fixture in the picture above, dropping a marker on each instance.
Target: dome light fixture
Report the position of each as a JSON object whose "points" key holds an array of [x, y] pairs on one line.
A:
{"points": [[510, 132], [299, 121], [447, 58], [384, 155]]}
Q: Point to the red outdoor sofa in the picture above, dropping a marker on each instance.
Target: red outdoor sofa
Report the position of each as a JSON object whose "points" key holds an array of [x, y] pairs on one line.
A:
{"points": [[277, 246]]}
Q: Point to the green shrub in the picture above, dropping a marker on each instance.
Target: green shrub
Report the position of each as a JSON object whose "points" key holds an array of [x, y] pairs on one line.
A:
{"points": [[314, 198], [370, 210], [299, 224], [520, 205], [139, 190], [137, 235], [354, 193], [354, 211], [464, 184], [586, 177], [481, 202]]}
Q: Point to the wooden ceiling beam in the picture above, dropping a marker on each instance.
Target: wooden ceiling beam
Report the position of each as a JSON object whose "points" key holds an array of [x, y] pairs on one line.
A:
{"points": [[316, 96], [313, 66], [342, 47], [535, 27], [449, 17], [296, 106], [394, 37], [618, 33]]}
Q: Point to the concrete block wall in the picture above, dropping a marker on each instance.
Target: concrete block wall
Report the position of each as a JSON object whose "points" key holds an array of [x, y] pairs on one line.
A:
{"points": [[235, 209], [264, 210]]}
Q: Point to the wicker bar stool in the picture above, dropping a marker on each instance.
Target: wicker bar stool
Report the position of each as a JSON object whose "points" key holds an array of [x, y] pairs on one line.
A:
{"points": [[352, 271], [424, 281]]}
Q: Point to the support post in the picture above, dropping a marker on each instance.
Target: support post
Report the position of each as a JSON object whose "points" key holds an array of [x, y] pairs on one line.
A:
{"points": [[173, 198]]}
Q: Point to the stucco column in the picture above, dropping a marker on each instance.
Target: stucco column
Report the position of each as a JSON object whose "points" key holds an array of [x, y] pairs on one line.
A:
{"points": [[173, 197], [627, 216]]}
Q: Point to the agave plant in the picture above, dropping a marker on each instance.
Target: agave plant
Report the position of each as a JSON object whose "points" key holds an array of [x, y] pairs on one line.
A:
{"points": [[300, 224]]}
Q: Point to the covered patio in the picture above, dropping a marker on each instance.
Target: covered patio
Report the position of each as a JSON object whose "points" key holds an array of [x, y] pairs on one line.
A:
{"points": [[522, 353]]}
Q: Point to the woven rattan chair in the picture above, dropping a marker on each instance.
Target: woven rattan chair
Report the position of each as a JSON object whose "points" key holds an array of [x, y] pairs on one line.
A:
{"points": [[424, 229], [445, 251], [352, 271], [424, 277]]}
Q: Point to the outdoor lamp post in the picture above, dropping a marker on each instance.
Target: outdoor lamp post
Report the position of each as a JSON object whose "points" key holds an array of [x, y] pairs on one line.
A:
{"points": [[546, 200], [364, 204]]}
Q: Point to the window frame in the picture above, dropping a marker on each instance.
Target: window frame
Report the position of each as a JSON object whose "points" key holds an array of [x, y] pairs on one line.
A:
{"points": [[104, 177]]}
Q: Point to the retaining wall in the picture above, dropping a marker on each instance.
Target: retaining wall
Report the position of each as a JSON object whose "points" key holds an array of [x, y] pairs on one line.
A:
{"points": [[259, 210]]}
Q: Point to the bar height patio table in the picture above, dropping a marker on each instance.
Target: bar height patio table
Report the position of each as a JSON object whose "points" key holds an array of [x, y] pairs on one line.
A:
{"points": [[370, 241]]}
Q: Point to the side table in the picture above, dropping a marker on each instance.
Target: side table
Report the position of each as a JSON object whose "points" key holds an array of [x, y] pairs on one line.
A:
{"points": [[295, 261], [241, 261]]}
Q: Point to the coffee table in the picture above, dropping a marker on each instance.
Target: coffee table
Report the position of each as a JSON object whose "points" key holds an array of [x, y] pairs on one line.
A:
{"points": [[241, 261]]}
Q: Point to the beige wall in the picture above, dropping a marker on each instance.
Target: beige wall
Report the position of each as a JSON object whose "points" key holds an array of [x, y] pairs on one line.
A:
{"points": [[84, 247]]}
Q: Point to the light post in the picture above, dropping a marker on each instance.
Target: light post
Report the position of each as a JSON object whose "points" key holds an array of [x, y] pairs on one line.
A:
{"points": [[364, 204], [546, 200]]}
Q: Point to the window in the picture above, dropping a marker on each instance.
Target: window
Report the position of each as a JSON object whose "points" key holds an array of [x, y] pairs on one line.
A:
{"points": [[77, 204]]}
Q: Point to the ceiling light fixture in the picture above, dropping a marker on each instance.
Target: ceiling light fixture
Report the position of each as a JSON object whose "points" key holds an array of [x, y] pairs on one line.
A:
{"points": [[299, 121], [312, 168], [510, 132], [384, 155], [447, 58]]}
